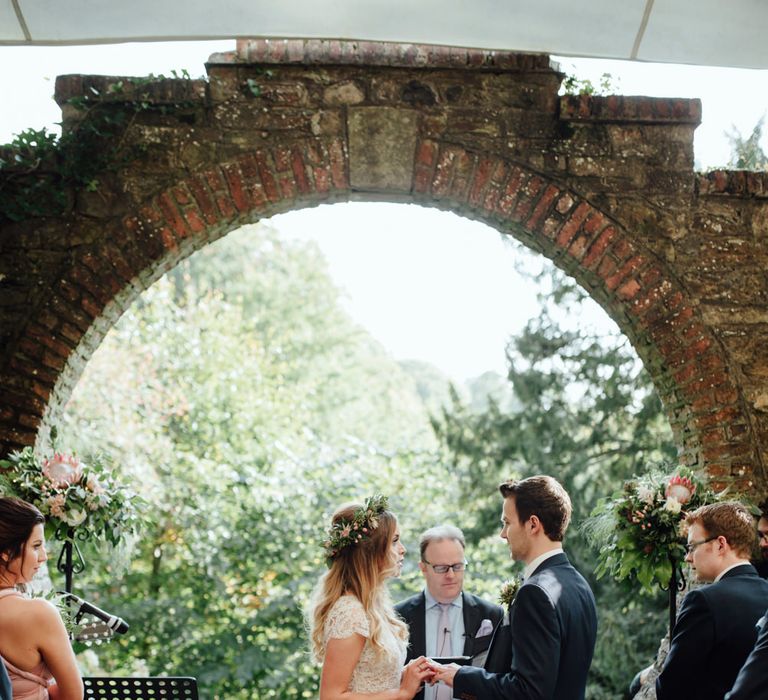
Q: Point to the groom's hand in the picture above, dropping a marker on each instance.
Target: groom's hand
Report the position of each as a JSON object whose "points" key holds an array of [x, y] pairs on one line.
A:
{"points": [[444, 673]]}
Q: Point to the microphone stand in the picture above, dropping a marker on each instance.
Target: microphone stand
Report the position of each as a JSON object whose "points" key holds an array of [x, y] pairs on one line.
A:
{"points": [[676, 585], [70, 560]]}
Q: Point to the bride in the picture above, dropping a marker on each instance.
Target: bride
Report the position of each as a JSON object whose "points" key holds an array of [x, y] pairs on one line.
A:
{"points": [[354, 630]]}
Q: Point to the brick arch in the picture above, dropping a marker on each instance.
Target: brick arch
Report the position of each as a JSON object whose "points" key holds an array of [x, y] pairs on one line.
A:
{"points": [[602, 186], [635, 287]]}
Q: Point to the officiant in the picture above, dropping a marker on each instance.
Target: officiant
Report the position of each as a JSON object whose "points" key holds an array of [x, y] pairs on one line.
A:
{"points": [[444, 620]]}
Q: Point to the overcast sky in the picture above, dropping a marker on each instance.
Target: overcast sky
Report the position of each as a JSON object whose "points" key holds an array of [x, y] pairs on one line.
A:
{"points": [[428, 284]]}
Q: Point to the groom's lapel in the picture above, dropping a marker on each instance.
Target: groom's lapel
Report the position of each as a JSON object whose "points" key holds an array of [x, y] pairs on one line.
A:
{"points": [[418, 629], [499, 657], [471, 615]]}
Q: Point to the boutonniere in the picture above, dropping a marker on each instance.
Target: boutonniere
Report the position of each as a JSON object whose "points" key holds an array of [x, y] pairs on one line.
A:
{"points": [[509, 591]]}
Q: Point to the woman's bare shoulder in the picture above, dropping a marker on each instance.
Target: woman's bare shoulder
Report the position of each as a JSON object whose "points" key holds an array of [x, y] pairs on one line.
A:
{"points": [[41, 611]]}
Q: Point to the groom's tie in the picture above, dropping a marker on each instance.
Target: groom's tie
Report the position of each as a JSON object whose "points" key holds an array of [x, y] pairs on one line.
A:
{"points": [[444, 648]]}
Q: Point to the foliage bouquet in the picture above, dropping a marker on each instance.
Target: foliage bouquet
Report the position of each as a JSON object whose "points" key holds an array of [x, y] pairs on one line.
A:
{"points": [[76, 498], [640, 530]]}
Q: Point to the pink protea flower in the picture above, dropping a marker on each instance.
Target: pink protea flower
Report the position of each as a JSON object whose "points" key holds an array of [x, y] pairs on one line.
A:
{"points": [[681, 488], [62, 469]]}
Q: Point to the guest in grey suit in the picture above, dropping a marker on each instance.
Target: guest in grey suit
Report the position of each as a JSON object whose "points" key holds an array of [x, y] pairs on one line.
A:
{"points": [[544, 649], [443, 620]]}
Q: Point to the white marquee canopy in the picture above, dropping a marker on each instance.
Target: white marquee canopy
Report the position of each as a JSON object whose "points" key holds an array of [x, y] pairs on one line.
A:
{"points": [[703, 32]]}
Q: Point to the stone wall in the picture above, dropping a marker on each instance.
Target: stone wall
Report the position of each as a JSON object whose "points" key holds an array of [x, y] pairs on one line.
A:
{"points": [[604, 186]]}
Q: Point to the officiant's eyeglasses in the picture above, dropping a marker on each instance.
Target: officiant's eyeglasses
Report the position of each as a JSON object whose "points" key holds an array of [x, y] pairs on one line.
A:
{"points": [[691, 546], [443, 568]]}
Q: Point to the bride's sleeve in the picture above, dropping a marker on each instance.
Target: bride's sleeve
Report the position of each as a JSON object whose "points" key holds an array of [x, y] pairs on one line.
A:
{"points": [[346, 618]]}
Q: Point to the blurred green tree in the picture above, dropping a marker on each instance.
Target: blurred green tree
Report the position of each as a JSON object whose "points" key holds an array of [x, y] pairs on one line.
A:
{"points": [[585, 412]]}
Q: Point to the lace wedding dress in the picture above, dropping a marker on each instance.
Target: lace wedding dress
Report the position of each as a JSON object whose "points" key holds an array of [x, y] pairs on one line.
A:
{"points": [[374, 672]]}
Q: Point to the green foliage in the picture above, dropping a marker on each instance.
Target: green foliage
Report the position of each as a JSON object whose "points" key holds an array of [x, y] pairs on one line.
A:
{"points": [[638, 529], [245, 406], [77, 499], [40, 172], [573, 85], [747, 153], [585, 412], [253, 86]]}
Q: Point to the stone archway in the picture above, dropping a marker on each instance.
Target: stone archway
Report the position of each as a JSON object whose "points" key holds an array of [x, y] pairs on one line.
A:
{"points": [[602, 186]]}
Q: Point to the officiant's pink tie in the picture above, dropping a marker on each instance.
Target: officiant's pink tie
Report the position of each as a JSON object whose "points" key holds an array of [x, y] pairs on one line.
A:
{"points": [[444, 648]]}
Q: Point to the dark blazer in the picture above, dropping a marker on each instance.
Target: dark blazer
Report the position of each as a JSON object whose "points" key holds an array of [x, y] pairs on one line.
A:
{"points": [[5, 683], [752, 681], [474, 610], [713, 635], [546, 650]]}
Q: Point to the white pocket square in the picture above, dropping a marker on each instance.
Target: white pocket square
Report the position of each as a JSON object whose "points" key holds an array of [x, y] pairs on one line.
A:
{"points": [[486, 628]]}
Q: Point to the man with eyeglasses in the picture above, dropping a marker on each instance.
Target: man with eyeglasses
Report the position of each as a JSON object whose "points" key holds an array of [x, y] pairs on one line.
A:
{"points": [[715, 629], [443, 620]]}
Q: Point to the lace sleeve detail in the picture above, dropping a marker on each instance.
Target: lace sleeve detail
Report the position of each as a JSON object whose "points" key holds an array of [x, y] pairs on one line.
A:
{"points": [[346, 618]]}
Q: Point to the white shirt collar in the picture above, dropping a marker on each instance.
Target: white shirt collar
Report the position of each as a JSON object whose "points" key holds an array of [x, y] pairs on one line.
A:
{"points": [[741, 562], [532, 566], [430, 602]]}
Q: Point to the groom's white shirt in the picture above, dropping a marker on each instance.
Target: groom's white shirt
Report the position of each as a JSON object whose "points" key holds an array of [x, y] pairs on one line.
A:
{"points": [[530, 568]]}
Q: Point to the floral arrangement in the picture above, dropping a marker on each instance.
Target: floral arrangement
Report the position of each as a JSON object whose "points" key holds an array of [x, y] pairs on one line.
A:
{"points": [[509, 590], [640, 531], [73, 496], [348, 532]]}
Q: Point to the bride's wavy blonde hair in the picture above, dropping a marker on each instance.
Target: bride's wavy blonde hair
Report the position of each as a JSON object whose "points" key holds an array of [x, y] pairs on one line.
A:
{"points": [[361, 570]]}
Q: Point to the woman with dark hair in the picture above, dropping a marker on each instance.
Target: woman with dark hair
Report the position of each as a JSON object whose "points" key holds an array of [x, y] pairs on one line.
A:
{"points": [[355, 633], [34, 644]]}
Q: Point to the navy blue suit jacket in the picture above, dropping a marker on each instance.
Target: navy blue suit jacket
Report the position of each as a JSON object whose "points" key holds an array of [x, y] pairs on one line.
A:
{"points": [[5, 684], [713, 635], [553, 625], [474, 610], [752, 681]]}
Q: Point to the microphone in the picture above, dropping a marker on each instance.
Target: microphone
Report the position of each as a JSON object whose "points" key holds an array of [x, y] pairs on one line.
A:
{"points": [[113, 622]]}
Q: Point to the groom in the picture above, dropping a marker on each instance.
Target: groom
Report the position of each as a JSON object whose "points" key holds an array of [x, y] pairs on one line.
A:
{"points": [[546, 650]]}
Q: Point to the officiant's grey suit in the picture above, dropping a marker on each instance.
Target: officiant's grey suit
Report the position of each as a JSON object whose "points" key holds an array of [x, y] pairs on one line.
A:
{"points": [[545, 650]]}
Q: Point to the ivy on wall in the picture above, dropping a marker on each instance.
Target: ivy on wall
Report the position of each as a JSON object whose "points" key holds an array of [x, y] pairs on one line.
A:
{"points": [[41, 171]]}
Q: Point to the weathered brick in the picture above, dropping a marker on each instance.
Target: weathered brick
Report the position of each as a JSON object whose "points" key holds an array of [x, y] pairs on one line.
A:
{"points": [[299, 172], [542, 206], [441, 180], [511, 191], [572, 225], [480, 180], [204, 200], [236, 187], [528, 196], [678, 257], [172, 215]]}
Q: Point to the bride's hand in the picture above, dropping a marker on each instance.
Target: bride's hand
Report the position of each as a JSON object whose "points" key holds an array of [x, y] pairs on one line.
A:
{"points": [[415, 673], [444, 673]]}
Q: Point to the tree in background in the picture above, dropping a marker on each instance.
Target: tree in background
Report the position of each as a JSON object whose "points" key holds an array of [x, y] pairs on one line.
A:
{"points": [[585, 412], [747, 153], [246, 406]]}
